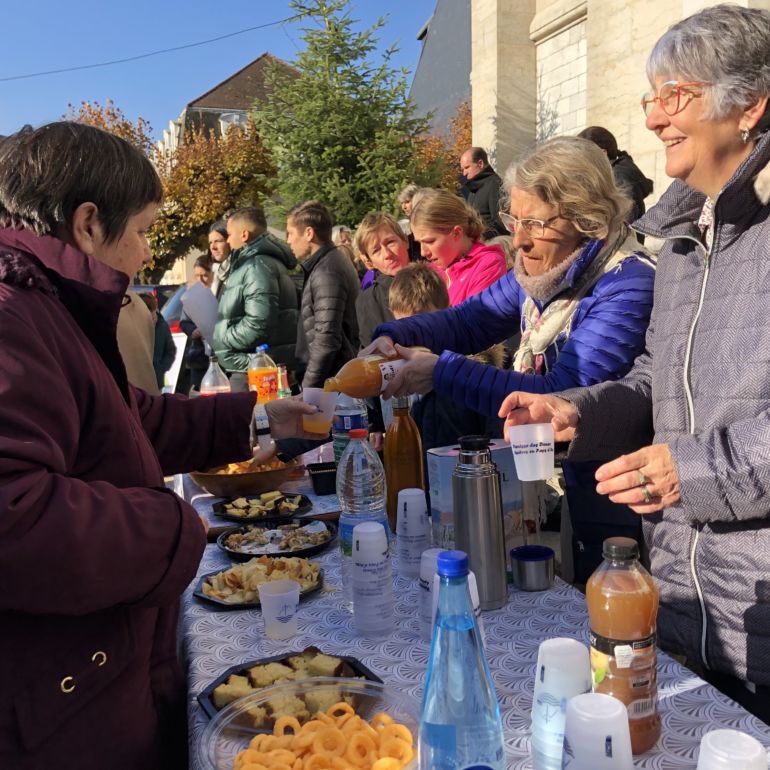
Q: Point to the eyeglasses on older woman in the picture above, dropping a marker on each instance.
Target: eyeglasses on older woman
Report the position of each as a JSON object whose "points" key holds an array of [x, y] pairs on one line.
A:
{"points": [[673, 96], [532, 227]]}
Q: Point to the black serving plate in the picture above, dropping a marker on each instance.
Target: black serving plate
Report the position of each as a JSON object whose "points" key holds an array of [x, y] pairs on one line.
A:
{"points": [[206, 696], [223, 605], [219, 509], [269, 549]]}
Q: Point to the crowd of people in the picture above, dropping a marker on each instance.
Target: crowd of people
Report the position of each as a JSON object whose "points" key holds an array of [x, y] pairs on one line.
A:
{"points": [[652, 371]]}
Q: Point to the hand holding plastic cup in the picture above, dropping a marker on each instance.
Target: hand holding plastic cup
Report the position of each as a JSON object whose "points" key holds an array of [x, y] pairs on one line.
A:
{"points": [[279, 600], [532, 447], [596, 734], [723, 749], [319, 423], [563, 671]]}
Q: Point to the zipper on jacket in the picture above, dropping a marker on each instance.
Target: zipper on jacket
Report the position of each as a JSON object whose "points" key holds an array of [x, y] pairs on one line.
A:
{"points": [[691, 430], [688, 350], [696, 581]]}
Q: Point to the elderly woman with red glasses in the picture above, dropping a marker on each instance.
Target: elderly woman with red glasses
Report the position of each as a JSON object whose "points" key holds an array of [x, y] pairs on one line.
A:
{"points": [[580, 293], [698, 399]]}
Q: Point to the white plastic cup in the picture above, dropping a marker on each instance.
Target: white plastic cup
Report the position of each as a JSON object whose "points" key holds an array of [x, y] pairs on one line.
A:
{"points": [[532, 447], [319, 423], [412, 530], [596, 734], [279, 600], [563, 671], [428, 562], [372, 580], [731, 749]]}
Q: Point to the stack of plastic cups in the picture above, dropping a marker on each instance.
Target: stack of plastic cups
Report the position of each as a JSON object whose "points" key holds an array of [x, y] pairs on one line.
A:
{"points": [[412, 531], [372, 580], [563, 671]]}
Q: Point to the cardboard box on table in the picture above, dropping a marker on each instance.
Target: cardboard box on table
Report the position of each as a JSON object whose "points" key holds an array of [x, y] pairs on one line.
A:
{"points": [[441, 463]]}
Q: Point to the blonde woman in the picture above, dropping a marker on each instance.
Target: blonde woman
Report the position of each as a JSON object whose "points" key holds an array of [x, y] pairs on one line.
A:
{"points": [[449, 232]]}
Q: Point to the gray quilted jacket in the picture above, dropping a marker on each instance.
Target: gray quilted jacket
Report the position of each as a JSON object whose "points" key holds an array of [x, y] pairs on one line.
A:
{"points": [[703, 387], [327, 335]]}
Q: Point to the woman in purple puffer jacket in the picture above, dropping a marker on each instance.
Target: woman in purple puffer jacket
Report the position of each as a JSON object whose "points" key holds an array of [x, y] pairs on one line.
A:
{"points": [[94, 549]]}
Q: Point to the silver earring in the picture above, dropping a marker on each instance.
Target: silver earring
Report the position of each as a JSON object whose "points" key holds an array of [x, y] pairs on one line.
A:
{"points": [[745, 135]]}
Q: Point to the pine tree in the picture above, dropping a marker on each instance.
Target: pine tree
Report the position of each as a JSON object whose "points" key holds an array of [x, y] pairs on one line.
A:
{"points": [[341, 128]]}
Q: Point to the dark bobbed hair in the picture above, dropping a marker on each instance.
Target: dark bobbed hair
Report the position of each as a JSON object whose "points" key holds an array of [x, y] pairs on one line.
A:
{"points": [[47, 172], [602, 138], [312, 214]]}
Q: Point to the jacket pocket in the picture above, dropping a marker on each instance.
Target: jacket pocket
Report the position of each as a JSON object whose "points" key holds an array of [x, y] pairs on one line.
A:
{"points": [[68, 681]]}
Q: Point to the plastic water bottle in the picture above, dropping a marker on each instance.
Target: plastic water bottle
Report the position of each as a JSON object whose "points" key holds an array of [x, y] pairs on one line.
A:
{"points": [[460, 724], [361, 492], [349, 414], [214, 380], [372, 580]]}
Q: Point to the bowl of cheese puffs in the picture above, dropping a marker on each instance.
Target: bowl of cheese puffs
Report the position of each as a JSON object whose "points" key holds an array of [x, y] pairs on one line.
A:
{"points": [[319, 722], [247, 477]]}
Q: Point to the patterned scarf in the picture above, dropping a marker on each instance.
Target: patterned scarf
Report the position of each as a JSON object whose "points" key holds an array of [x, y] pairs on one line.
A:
{"points": [[542, 328]]}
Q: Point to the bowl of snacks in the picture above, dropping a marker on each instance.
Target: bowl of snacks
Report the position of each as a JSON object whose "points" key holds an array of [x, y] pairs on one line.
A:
{"points": [[247, 477], [357, 721]]}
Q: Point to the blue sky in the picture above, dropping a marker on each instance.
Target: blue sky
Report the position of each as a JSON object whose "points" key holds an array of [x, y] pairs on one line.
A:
{"points": [[45, 35]]}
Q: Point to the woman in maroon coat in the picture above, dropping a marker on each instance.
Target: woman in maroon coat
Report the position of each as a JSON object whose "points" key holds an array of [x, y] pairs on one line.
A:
{"points": [[94, 550]]}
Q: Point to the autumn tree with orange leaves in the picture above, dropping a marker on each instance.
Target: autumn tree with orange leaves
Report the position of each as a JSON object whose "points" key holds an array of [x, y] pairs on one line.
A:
{"points": [[205, 177], [443, 151]]}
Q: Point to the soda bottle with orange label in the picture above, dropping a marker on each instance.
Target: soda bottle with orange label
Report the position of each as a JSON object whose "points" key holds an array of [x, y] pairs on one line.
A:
{"points": [[263, 375]]}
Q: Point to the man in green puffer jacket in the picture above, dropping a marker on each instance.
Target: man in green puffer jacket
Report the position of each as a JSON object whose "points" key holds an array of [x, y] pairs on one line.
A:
{"points": [[259, 304]]}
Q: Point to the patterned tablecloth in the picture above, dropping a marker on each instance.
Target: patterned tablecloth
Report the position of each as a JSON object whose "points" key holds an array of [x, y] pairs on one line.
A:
{"points": [[213, 641]]}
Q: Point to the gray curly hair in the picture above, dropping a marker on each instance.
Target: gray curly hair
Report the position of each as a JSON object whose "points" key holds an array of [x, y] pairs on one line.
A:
{"points": [[727, 47]]}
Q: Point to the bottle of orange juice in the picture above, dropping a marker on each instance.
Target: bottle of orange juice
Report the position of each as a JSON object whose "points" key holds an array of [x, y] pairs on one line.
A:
{"points": [[367, 376], [622, 603], [263, 375]]}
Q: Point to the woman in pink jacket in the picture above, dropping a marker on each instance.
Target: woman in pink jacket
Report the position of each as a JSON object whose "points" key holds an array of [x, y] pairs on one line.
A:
{"points": [[449, 230]]}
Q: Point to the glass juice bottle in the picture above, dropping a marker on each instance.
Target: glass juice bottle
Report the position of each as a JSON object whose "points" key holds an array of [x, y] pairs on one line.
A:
{"points": [[402, 453], [622, 601]]}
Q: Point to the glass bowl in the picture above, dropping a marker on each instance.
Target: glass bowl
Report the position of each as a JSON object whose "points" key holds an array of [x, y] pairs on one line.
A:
{"points": [[231, 729]]}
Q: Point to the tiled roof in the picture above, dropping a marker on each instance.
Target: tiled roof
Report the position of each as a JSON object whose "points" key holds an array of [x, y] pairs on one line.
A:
{"points": [[241, 89]]}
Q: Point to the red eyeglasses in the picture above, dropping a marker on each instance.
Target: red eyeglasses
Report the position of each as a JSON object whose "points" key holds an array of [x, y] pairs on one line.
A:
{"points": [[673, 96]]}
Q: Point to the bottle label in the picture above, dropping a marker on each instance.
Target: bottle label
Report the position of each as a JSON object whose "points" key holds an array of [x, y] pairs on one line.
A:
{"points": [[345, 422], [264, 383], [623, 646], [388, 370], [641, 708], [346, 532]]}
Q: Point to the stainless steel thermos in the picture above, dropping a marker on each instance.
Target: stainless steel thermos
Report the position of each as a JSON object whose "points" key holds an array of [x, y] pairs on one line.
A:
{"points": [[478, 515]]}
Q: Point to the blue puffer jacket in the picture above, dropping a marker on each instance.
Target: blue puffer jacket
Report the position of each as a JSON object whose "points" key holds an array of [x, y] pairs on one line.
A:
{"points": [[607, 333]]}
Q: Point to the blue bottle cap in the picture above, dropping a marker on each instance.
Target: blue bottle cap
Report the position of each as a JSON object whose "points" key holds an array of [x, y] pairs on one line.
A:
{"points": [[452, 564], [261, 348]]}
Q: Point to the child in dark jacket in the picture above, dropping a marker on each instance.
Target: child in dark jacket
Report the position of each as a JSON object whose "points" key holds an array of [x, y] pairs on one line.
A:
{"points": [[441, 420]]}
